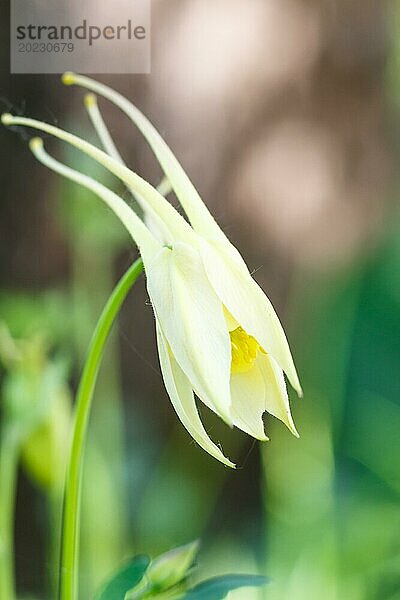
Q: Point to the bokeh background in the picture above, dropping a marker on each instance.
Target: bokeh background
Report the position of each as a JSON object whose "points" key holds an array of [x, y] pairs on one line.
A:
{"points": [[285, 114]]}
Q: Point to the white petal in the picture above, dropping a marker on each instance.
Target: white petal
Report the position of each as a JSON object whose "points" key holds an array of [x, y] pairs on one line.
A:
{"points": [[276, 397], [146, 242], [182, 398], [248, 402], [153, 222], [175, 223], [199, 215], [247, 303], [191, 317]]}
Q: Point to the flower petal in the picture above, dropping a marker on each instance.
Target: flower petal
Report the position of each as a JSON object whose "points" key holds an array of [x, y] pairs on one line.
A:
{"points": [[199, 216], [147, 243], [248, 402], [191, 318], [182, 398], [175, 223], [248, 304], [276, 397], [153, 222]]}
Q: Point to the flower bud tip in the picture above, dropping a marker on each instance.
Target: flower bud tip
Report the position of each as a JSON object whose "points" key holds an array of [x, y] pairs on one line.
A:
{"points": [[90, 100], [68, 78], [35, 143], [6, 118]]}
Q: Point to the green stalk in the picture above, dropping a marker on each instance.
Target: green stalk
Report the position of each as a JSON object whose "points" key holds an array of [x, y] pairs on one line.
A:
{"points": [[72, 497], [9, 450], [104, 530]]}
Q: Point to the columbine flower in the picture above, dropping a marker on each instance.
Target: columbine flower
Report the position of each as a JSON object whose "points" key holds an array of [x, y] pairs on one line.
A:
{"points": [[218, 335]]}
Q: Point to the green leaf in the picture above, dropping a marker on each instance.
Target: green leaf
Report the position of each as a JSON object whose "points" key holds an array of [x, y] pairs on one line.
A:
{"points": [[125, 579], [218, 588], [170, 568]]}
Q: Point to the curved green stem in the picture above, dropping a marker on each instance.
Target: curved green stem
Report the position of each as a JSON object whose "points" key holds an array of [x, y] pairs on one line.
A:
{"points": [[9, 449], [72, 497]]}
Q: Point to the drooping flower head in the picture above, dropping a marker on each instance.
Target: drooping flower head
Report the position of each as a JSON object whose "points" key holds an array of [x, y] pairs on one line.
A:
{"points": [[218, 335]]}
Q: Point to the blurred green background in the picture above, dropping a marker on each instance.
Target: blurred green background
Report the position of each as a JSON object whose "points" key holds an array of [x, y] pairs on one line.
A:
{"points": [[285, 114]]}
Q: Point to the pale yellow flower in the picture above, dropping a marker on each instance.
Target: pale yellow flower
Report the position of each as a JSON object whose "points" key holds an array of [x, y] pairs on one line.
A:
{"points": [[218, 335]]}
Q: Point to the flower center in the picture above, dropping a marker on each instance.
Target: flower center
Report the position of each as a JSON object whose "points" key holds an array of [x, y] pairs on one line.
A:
{"points": [[244, 350]]}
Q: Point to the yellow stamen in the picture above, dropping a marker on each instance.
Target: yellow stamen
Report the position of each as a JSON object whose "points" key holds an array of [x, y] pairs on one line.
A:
{"points": [[244, 349]]}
